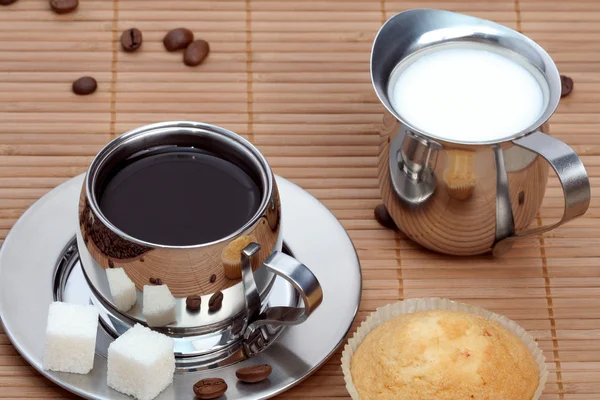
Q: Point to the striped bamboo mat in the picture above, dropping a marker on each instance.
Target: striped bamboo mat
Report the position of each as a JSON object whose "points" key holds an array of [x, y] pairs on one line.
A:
{"points": [[293, 77]]}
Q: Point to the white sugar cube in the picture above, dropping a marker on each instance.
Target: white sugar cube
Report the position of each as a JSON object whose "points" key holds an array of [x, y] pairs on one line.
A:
{"points": [[122, 288], [70, 338], [159, 305], [141, 363]]}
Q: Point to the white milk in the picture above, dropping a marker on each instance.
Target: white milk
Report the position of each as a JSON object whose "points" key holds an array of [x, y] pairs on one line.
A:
{"points": [[467, 95]]}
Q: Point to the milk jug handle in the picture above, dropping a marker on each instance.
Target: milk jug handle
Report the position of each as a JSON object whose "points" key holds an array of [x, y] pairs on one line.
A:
{"points": [[571, 174]]}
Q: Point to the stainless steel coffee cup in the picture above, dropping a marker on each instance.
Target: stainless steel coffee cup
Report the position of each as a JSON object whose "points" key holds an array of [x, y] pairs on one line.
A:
{"points": [[187, 270], [508, 176]]}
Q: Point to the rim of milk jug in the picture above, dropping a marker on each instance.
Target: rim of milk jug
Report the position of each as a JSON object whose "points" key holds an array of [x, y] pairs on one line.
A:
{"points": [[481, 33]]}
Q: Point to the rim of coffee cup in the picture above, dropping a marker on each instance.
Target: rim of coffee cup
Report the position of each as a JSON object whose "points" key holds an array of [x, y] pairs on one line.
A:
{"points": [[100, 164]]}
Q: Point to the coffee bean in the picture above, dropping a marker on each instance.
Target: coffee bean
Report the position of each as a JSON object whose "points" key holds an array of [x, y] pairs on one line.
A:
{"points": [[6, 2], [256, 373], [111, 264], [567, 85], [384, 218], [64, 6], [215, 302], [193, 303], [521, 197], [237, 326], [131, 40], [142, 259], [156, 281], [85, 85], [177, 39], [213, 278], [210, 388], [196, 52]]}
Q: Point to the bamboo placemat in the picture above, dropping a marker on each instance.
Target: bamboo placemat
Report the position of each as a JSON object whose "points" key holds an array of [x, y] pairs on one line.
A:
{"points": [[293, 77]]}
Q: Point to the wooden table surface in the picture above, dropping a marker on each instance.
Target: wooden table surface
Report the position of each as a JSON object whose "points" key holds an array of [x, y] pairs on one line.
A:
{"points": [[293, 77]]}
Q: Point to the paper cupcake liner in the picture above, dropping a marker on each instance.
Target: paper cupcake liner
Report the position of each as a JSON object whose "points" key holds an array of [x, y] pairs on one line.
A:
{"points": [[394, 310]]}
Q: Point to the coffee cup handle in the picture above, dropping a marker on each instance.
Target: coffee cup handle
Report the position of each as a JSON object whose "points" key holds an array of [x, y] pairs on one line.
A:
{"points": [[571, 174], [296, 273]]}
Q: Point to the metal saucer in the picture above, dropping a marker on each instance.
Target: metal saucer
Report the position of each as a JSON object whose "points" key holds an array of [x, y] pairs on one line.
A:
{"points": [[199, 352], [28, 260]]}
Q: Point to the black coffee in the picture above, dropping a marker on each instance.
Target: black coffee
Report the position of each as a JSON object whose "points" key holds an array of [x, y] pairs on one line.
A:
{"points": [[179, 197]]}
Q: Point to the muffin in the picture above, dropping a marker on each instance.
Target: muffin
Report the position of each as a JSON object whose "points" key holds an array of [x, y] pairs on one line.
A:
{"points": [[460, 176], [439, 349], [232, 256]]}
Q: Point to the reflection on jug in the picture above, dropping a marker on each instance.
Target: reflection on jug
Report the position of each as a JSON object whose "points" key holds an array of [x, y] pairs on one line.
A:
{"points": [[462, 220]]}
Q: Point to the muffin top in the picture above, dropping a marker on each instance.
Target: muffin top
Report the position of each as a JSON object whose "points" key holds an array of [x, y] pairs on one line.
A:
{"points": [[443, 355]]}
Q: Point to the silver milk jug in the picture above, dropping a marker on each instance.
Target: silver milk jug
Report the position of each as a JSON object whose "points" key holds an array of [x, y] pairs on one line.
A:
{"points": [[505, 180]]}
